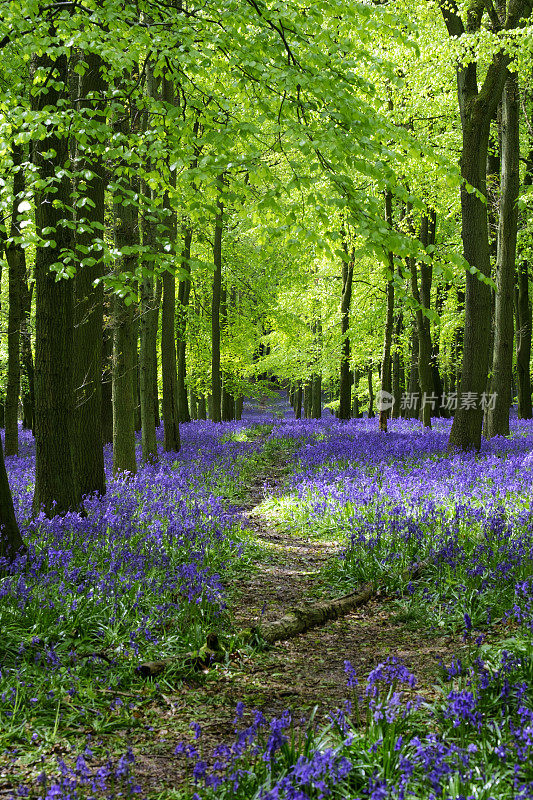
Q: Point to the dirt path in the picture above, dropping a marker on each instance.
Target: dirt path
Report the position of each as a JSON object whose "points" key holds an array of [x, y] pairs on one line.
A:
{"points": [[300, 673], [309, 670]]}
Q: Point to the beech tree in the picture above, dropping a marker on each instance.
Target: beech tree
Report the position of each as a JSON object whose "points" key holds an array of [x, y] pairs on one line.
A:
{"points": [[478, 101]]}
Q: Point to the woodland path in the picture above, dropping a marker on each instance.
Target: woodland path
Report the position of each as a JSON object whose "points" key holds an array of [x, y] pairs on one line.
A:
{"points": [[301, 673]]}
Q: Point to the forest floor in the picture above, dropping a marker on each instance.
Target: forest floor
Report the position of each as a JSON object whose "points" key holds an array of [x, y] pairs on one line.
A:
{"points": [[319, 509], [305, 674]]}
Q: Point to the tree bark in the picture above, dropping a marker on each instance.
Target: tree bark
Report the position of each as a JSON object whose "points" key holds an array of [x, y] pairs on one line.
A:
{"points": [[345, 388], [26, 355], [56, 486], [298, 401], [356, 412], [523, 321], [148, 324], [523, 342], [370, 393], [184, 292], [477, 107], [386, 385], [411, 410], [316, 397], [216, 386], [10, 539], [423, 299], [169, 366], [202, 410], [502, 364], [107, 376], [124, 333], [226, 400], [88, 298], [15, 257], [397, 371]]}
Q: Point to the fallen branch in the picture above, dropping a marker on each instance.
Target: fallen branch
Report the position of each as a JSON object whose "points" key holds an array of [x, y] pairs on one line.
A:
{"points": [[299, 620], [302, 618]]}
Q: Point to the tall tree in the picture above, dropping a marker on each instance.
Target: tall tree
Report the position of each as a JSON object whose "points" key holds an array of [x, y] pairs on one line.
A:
{"points": [[386, 383], [216, 385], [10, 539], [169, 368], [502, 362], [346, 299], [422, 298], [148, 324], [184, 293], [88, 289], [15, 257], [56, 486], [126, 231], [477, 105], [523, 318]]}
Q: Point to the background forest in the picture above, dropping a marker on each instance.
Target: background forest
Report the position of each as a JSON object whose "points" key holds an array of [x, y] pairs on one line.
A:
{"points": [[202, 205]]}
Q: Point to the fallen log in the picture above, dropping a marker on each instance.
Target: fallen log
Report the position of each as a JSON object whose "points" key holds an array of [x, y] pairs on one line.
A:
{"points": [[298, 620], [311, 615]]}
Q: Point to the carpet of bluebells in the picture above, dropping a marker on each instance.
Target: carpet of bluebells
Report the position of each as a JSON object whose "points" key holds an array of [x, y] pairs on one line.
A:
{"points": [[143, 575]]}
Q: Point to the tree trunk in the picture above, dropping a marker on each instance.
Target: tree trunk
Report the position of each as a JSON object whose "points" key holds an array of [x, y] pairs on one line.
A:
{"points": [[158, 294], [523, 342], [523, 319], [137, 380], [345, 388], [89, 299], [148, 324], [477, 107], [356, 412], [308, 398], [107, 377], [423, 299], [10, 538], [15, 257], [193, 404], [56, 487], [370, 393], [202, 410], [124, 337], [298, 401], [169, 366], [26, 356], [411, 409], [226, 400], [457, 346], [316, 397], [438, 383], [216, 387], [386, 386], [397, 372], [502, 364], [184, 292]]}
